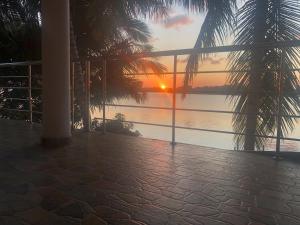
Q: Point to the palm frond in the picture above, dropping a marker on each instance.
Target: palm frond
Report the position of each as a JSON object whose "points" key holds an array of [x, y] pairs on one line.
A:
{"points": [[257, 71], [218, 21]]}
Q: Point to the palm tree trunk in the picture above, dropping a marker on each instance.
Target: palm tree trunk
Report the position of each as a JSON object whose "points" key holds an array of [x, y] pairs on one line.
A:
{"points": [[79, 87], [255, 84]]}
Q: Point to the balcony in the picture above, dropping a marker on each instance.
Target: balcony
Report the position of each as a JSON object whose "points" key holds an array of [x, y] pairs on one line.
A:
{"points": [[51, 173], [113, 179]]}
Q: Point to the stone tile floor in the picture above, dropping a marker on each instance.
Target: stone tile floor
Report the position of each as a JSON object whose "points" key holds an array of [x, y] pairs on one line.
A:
{"points": [[121, 180]]}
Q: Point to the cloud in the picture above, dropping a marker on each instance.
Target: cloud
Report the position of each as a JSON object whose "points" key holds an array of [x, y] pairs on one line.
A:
{"points": [[177, 21]]}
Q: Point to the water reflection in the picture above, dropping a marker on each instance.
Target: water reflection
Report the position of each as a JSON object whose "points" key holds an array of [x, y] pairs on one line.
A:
{"points": [[203, 120]]}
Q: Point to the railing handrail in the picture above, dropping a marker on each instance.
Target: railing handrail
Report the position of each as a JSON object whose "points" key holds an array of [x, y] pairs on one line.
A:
{"points": [[200, 129], [175, 54], [191, 109], [24, 63], [220, 49], [191, 51], [29, 88]]}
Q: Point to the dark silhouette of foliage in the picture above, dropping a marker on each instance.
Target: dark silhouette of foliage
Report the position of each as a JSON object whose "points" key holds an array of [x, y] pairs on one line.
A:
{"points": [[100, 29], [19, 41], [116, 125], [260, 69], [266, 78]]}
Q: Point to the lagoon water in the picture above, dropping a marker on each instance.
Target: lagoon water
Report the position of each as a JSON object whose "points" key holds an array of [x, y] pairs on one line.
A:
{"points": [[214, 121]]}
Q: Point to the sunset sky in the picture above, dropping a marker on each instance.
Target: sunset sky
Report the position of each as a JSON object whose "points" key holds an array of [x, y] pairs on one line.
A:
{"points": [[180, 31]]}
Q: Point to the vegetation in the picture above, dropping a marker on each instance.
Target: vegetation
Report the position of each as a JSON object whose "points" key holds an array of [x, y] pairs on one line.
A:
{"points": [[19, 41], [269, 83], [103, 29], [106, 29], [117, 125], [266, 78], [100, 29]]}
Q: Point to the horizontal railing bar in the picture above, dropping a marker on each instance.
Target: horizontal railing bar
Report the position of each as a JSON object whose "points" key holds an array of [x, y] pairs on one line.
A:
{"points": [[26, 63], [13, 76], [33, 75], [163, 73], [140, 107], [14, 87], [228, 112], [201, 129], [208, 111], [18, 110], [142, 123], [234, 133], [190, 51], [23, 99], [178, 73], [182, 72], [217, 131], [17, 99], [20, 88], [187, 109], [290, 139], [226, 48]]}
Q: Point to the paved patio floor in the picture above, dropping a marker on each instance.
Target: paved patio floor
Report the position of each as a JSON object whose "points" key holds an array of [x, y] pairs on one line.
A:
{"points": [[119, 180]]}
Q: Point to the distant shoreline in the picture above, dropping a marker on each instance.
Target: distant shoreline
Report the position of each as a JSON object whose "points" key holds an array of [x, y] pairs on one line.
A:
{"points": [[190, 93], [214, 90]]}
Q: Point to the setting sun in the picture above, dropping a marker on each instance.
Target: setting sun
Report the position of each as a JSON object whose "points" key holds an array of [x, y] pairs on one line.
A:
{"points": [[163, 86]]}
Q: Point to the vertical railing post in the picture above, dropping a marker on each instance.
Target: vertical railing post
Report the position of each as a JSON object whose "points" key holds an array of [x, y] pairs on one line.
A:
{"points": [[30, 92], [238, 144], [279, 110], [104, 81], [174, 101], [88, 94], [73, 93]]}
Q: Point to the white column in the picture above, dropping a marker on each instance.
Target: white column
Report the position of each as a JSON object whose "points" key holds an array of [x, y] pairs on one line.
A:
{"points": [[56, 71]]}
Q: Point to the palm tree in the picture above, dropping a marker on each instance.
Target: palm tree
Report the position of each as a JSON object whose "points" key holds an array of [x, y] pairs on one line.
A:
{"points": [[111, 28], [262, 71], [99, 28], [19, 40], [19, 29], [218, 22], [266, 78]]}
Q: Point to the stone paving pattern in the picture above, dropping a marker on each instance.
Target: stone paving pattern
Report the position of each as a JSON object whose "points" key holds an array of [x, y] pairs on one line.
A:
{"points": [[119, 180]]}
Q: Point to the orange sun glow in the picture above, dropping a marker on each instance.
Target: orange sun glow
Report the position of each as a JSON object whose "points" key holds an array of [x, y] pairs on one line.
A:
{"points": [[163, 86]]}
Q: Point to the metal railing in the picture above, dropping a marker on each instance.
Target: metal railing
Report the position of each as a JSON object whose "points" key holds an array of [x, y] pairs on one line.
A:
{"points": [[29, 88], [173, 109]]}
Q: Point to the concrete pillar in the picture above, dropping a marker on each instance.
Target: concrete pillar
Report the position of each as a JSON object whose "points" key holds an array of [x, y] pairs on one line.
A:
{"points": [[56, 72]]}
